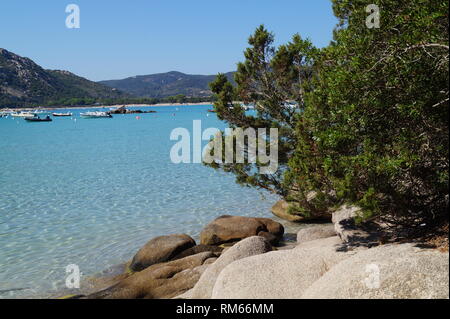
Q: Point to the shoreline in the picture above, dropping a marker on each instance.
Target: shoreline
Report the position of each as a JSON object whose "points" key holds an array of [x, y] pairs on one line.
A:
{"points": [[106, 106], [200, 268], [219, 269]]}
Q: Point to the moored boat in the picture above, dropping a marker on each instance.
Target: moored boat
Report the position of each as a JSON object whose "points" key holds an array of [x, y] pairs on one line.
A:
{"points": [[96, 115], [40, 111], [5, 113], [23, 114], [62, 114], [38, 119], [249, 106]]}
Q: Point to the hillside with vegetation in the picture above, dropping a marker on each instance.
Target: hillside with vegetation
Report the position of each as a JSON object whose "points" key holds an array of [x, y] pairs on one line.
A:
{"points": [[163, 85], [24, 83]]}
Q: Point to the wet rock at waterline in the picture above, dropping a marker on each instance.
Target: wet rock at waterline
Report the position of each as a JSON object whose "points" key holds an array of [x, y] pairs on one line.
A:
{"points": [[160, 281], [161, 249]]}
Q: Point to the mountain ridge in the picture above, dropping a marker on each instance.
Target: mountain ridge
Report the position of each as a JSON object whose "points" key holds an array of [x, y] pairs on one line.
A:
{"points": [[25, 83], [161, 85]]}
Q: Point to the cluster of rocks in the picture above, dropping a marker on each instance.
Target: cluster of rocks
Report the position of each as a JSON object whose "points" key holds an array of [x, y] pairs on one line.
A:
{"points": [[238, 258], [168, 266], [123, 110]]}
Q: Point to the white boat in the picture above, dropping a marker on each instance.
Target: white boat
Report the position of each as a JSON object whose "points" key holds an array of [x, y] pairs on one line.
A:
{"points": [[290, 105], [96, 115], [62, 114], [4, 113], [41, 112], [250, 106], [22, 114]]}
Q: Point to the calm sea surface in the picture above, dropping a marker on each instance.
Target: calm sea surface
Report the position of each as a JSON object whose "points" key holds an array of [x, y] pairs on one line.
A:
{"points": [[90, 192]]}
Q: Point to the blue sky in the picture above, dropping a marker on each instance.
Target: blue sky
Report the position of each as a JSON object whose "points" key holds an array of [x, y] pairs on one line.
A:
{"points": [[118, 39]]}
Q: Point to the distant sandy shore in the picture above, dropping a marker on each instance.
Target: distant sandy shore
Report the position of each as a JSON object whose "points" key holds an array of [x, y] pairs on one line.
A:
{"points": [[110, 106]]}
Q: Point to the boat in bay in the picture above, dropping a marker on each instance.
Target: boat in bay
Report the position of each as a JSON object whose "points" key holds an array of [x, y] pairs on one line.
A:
{"points": [[36, 118], [249, 106], [62, 114], [22, 114], [96, 115], [40, 111]]}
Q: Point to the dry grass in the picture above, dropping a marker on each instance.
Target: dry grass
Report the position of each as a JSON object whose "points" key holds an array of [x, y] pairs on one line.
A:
{"points": [[440, 240]]}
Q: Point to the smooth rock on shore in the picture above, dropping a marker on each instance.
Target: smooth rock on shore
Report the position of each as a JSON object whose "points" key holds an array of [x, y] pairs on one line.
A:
{"points": [[280, 210], [245, 248], [398, 271], [279, 274], [160, 281], [226, 229], [161, 249], [315, 232]]}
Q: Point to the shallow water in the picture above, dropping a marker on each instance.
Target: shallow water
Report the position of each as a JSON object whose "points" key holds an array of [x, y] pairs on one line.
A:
{"points": [[90, 192]]}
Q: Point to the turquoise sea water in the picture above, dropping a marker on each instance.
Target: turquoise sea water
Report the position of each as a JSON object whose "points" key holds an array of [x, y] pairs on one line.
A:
{"points": [[90, 192]]}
